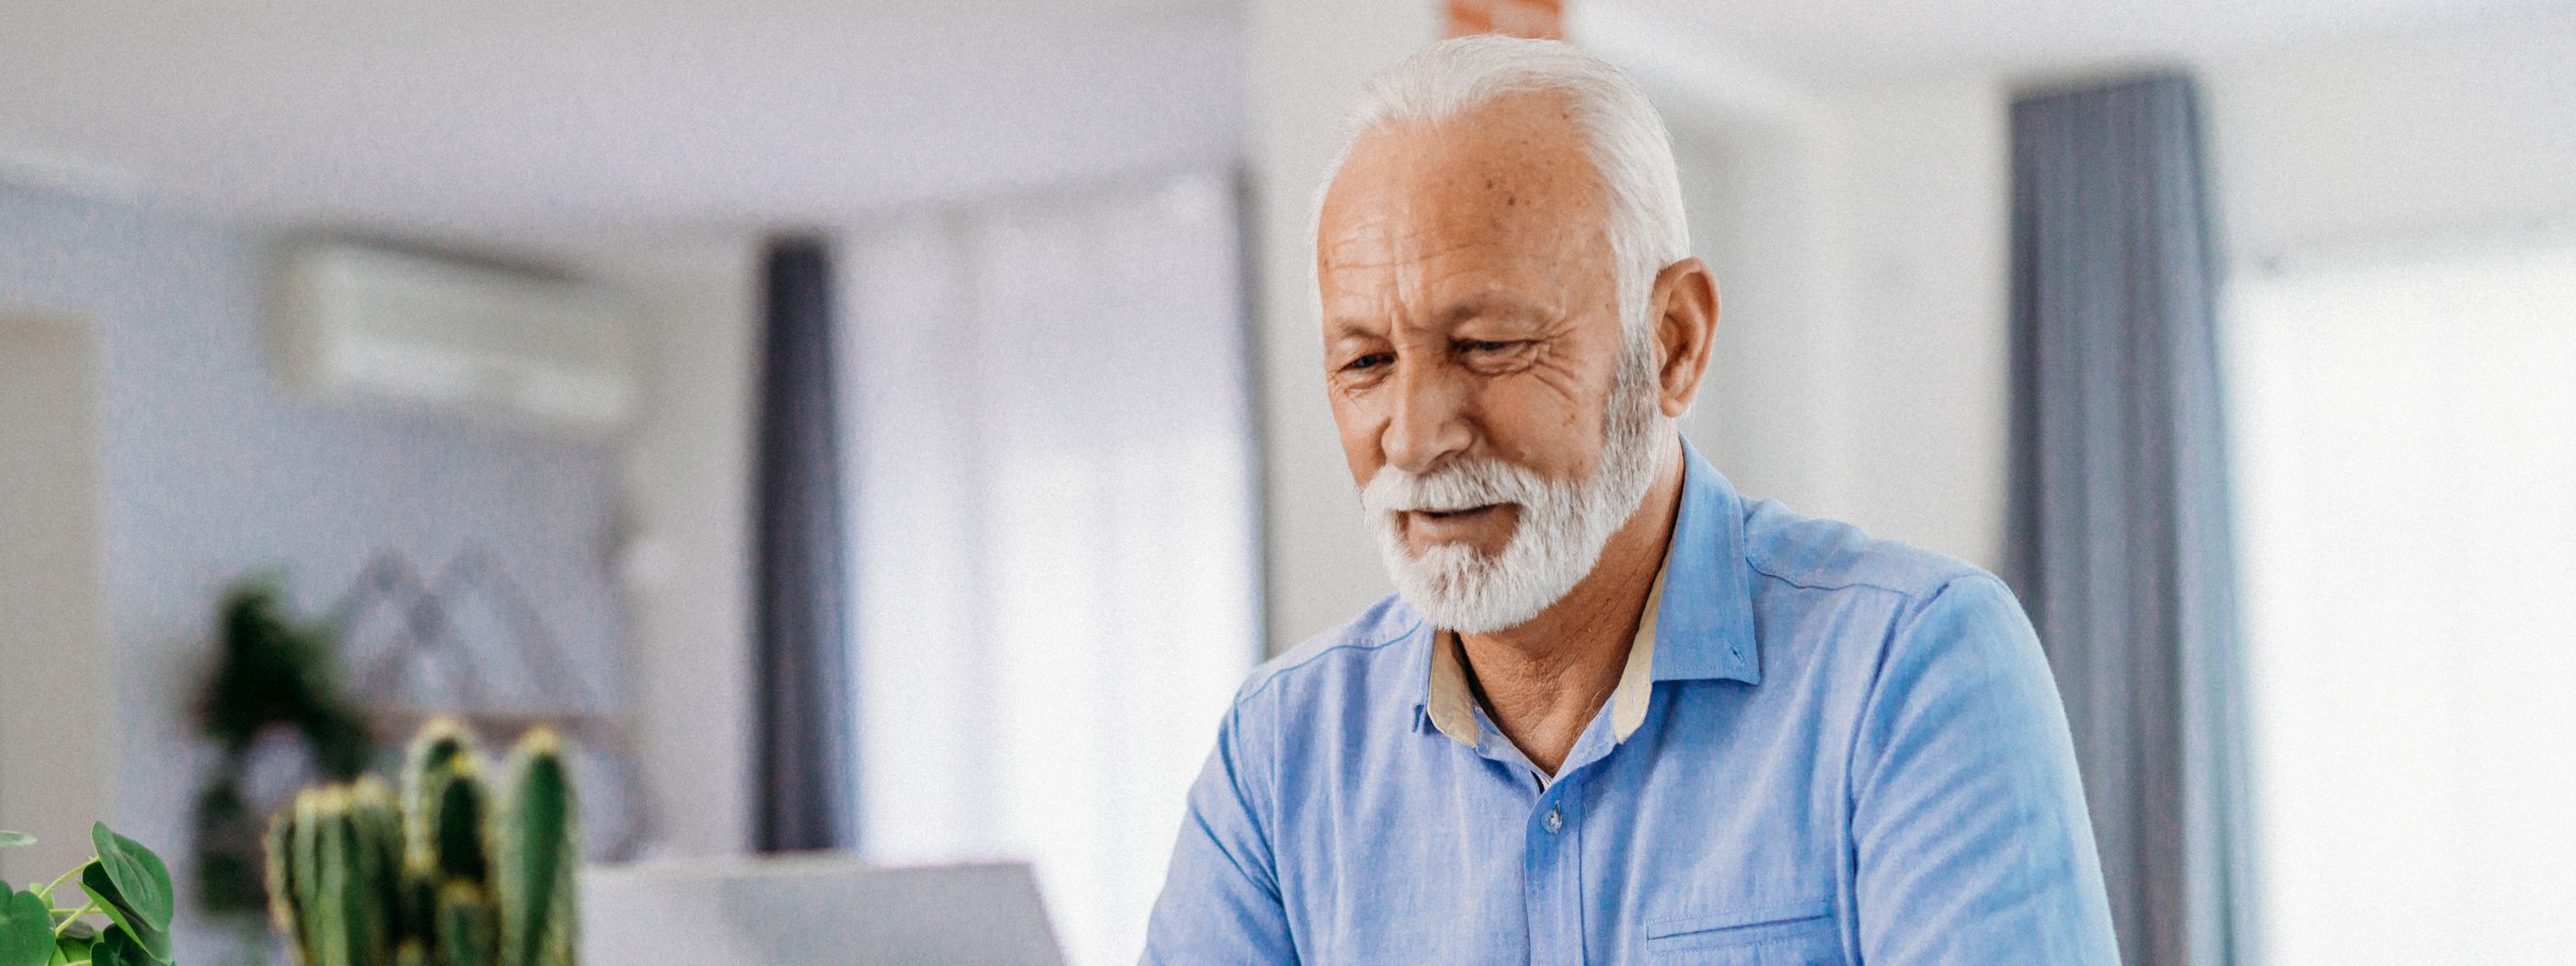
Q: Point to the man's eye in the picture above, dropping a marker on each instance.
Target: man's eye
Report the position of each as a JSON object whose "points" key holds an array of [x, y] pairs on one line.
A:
{"points": [[1482, 346], [1370, 361]]}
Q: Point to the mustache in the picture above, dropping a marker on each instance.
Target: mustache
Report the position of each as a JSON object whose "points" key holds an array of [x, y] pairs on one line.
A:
{"points": [[1455, 485]]}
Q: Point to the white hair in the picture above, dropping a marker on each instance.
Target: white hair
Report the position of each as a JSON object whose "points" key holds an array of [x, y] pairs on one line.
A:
{"points": [[1622, 134]]}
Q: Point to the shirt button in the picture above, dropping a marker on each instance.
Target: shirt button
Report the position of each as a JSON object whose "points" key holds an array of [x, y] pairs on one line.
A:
{"points": [[1554, 821]]}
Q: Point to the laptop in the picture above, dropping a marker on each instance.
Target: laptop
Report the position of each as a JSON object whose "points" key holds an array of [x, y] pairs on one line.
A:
{"points": [[813, 911]]}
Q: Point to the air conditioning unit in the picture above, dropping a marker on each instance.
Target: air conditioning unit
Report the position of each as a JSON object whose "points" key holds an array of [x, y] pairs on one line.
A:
{"points": [[459, 336]]}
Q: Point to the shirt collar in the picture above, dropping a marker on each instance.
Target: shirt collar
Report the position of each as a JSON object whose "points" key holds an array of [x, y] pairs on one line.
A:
{"points": [[1451, 705], [1704, 627], [1702, 631]]}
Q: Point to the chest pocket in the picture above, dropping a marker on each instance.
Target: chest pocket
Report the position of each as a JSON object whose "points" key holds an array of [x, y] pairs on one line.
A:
{"points": [[1795, 934]]}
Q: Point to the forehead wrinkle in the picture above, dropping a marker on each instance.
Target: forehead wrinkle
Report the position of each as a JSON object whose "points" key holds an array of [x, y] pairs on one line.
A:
{"points": [[1385, 263]]}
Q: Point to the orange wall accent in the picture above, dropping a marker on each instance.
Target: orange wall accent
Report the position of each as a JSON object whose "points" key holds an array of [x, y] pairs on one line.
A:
{"points": [[1519, 18]]}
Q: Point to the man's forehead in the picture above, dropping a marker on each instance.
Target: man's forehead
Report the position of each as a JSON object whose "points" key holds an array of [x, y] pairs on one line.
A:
{"points": [[1502, 197], [1512, 163]]}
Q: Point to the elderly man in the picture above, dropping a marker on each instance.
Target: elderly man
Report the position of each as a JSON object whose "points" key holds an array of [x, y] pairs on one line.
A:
{"points": [[1617, 713]]}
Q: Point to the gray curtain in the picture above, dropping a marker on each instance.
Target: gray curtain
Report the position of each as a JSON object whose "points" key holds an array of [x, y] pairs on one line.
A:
{"points": [[806, 753], [2121, 546]]}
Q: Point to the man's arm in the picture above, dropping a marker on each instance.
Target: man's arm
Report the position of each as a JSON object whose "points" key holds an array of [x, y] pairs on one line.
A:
{"points": [[1967, 809], [1220, 901]]}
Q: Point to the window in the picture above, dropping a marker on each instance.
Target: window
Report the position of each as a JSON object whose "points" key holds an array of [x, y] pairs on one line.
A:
{"points": [[2406, 447], [1055, 527]]}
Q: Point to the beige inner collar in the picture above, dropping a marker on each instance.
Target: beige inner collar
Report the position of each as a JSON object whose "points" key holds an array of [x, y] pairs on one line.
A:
{"points": [[1452, 704]]}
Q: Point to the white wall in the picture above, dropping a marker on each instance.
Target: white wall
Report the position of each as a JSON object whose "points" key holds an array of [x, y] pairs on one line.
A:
{"points": [[685, 558], [1859, 239], [1756, 162], [1918, 249], [1860, 243], [2462, 131], [1753, 159]]}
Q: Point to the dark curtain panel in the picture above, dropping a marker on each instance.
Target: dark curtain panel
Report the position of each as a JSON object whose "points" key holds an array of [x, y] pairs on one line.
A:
{"points": [[2121, 546], [805, 755]]}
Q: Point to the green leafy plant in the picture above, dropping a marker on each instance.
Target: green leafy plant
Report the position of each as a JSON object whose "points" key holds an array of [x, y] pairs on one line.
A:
{"points": [[274, 673], [122, 919], [441, 874]]}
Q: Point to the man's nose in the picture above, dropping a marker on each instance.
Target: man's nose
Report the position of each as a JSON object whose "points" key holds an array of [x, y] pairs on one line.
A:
{"points": [[1426, 419]]}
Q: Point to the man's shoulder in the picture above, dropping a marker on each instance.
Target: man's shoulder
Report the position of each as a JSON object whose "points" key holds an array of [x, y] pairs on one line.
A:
{"points": [[1350, 654], [1816, 553]]}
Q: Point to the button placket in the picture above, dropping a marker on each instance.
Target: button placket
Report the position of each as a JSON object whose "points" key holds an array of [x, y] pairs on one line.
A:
{"points": [[1553, 876]]}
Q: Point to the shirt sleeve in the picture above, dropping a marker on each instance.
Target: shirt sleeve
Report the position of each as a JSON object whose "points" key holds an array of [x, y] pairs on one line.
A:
{"points": [[1967, 811], [1220, 900]]}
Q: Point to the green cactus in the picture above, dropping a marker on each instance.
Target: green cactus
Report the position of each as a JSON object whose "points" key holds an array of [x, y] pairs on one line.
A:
{"points": [[467, 932], [443, 751], [439, 877], [335, 874], [534, 854]]}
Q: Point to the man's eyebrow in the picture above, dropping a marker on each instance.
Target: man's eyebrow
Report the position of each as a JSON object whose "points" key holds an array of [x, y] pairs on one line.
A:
{"points": [[1506, 306], [1348, 327], [1500, 305]]}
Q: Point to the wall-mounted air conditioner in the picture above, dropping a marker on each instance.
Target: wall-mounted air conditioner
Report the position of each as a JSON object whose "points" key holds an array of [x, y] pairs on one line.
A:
{"points": [[458, 336]]}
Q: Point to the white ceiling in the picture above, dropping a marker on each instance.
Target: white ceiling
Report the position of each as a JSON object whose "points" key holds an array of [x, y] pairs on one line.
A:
{"points": [[471, 116], [476, 116], [1823, 43]]}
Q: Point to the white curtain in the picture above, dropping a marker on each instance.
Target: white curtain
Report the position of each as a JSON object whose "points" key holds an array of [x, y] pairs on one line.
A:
{"points": [[2408, 467], [1056, 588]]}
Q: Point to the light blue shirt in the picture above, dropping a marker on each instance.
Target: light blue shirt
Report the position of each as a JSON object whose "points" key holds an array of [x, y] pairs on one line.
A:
{"points": [[1852, 752]]}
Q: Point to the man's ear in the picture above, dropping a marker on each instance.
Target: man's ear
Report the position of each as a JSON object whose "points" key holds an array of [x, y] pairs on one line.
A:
{"points": [[1685, 301]]}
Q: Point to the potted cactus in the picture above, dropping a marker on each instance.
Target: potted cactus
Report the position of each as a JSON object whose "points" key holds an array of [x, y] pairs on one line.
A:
{"points": [[447, 873]]}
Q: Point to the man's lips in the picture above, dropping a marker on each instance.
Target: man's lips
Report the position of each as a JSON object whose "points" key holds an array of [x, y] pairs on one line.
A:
{"points": [[1446, 514], [1438, 526]]}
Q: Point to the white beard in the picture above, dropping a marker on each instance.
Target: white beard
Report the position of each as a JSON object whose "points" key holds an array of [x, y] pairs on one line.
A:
{"points": [[1562, 525]]}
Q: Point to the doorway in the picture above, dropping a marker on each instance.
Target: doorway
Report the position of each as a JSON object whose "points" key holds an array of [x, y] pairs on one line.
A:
{"points": [[55, 711]]}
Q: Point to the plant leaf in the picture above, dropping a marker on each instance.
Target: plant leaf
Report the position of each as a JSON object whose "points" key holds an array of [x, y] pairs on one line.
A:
{"points": [[26, 929], [13, 840], [139, 875], [115, 948], [135, 928]]}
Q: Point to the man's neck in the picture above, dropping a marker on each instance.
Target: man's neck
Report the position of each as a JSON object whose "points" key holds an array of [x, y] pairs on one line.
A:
{"points": [[1544, 680]]}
